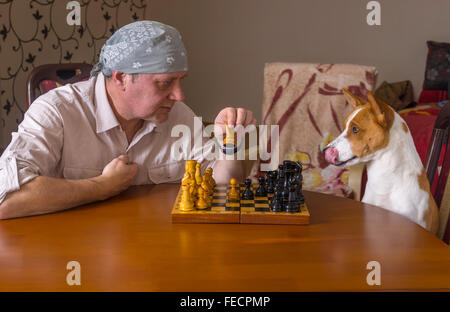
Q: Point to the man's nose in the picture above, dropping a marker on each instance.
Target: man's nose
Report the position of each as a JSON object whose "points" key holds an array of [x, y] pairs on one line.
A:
{"points": [[177, 93]]}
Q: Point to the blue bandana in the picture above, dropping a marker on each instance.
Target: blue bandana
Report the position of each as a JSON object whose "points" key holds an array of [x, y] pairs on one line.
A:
{"points": [[144, 47]]}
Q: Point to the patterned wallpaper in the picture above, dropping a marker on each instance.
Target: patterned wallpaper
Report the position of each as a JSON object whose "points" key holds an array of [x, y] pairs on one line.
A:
{"points": [[36, 32]]}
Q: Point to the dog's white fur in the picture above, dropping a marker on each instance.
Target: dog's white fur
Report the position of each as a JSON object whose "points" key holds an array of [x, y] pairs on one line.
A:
{"points": [[393, 174]]}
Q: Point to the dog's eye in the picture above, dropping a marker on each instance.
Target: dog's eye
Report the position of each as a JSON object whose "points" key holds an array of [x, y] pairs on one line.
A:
{"points": [[355, 129]]}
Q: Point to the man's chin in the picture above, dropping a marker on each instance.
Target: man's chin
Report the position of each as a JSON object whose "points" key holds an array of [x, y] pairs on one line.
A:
{"points": [[159, 118]]}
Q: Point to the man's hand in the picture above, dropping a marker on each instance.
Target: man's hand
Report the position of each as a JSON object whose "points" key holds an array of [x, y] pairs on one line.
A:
{"points": [[233, 117], [118, 175], [225, 169], [45, 194]]}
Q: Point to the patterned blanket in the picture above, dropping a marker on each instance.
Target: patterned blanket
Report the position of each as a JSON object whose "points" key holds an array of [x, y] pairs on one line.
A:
{"points": [[306, 102]]}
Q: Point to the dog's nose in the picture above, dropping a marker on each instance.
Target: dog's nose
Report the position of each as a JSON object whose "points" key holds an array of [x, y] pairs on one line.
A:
{"points": [[331, 154]]}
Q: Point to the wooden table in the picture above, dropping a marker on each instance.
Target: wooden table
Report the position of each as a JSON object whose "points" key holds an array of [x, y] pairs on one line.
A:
{"points": [[128, 243]]}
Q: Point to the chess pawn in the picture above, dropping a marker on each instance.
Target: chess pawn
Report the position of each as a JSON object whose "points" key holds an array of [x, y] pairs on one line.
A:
{"points": [[186, 203], [233, 194], [261, 190], [201, 203], [276, 204], [247, 194]]}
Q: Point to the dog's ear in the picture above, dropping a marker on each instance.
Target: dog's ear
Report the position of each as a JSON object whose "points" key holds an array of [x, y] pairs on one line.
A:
{"points": [[352, 99], [376, 108]]}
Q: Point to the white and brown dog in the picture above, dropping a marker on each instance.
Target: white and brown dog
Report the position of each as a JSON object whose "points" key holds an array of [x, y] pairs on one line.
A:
{"points": [[374, 133]]}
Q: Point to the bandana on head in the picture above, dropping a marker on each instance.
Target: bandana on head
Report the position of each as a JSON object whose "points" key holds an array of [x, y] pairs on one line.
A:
{"points": [[144, 47]]}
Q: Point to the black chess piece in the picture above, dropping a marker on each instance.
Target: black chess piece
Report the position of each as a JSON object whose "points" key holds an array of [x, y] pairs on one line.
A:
{"points": [[270, 186], [247, 194], [287, 166], [281, 176], [292, 205], [261, 190], [276, 205], [299, 181], [286, 185], [270, 182]]}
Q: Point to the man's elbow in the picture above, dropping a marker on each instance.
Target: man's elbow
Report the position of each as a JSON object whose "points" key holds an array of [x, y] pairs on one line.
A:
{"points": [[3, 209], [7, 207]]}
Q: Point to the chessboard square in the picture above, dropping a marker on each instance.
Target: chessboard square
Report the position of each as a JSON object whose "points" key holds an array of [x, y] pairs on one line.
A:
{"points": [[261, 205], [218, 208], [219, 200], [236, 204], [247, 205], [247, 209], [247, 201], [262, 209]]}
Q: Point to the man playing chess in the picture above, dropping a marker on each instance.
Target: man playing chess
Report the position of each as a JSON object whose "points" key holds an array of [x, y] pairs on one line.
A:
{"points": [[91, 140]]}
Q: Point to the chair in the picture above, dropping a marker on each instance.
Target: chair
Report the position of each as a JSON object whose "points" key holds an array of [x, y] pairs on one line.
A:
{"points": [[305, 101], [58, 74], [439, 144]]}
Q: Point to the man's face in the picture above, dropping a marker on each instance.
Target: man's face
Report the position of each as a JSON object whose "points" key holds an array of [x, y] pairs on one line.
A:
{"points": [[152, 96]]}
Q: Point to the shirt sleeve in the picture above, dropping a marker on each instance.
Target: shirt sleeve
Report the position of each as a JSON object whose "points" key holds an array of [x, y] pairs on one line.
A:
{"points": [[35, 148]]}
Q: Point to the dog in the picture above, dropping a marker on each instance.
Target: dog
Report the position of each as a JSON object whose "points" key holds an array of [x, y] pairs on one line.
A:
{"points": [[375, 134]]}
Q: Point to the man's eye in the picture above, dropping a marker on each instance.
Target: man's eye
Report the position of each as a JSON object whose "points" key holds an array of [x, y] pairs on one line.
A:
{"points": [[355, 129], [165, 83]]}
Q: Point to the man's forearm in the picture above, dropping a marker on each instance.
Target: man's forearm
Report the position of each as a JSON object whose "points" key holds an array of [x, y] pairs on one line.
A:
{"points": [[224, 170], [44, 195]]}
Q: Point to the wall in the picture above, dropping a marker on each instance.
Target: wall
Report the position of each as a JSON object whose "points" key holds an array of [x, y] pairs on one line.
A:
{"points": [[229, 41], [35, 32]]}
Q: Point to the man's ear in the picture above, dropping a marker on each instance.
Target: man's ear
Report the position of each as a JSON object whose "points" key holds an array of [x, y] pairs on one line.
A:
{"points": [[353, 100], [376, 108], [119, 79]]}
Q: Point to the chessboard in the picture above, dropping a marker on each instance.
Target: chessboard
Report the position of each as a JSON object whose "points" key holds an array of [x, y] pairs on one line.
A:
{"points": [[220, 211], [248, 211]]}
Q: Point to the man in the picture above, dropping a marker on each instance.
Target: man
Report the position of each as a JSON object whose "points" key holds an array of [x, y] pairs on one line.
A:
{"points": [[91, 140]]}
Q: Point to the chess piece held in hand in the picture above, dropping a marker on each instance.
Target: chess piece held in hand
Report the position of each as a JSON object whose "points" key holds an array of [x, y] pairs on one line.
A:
{"points": [[229, 144]]}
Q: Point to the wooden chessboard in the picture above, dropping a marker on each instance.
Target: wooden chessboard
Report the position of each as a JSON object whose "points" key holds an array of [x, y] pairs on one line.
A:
{"points": [[256, 211]]}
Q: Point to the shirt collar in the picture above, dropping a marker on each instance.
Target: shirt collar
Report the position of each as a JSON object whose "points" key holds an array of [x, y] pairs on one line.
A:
{"points": [[104, 115]]}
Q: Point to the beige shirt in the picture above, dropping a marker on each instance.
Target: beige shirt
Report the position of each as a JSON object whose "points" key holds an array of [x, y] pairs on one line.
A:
{"points": [[71, 132]]}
